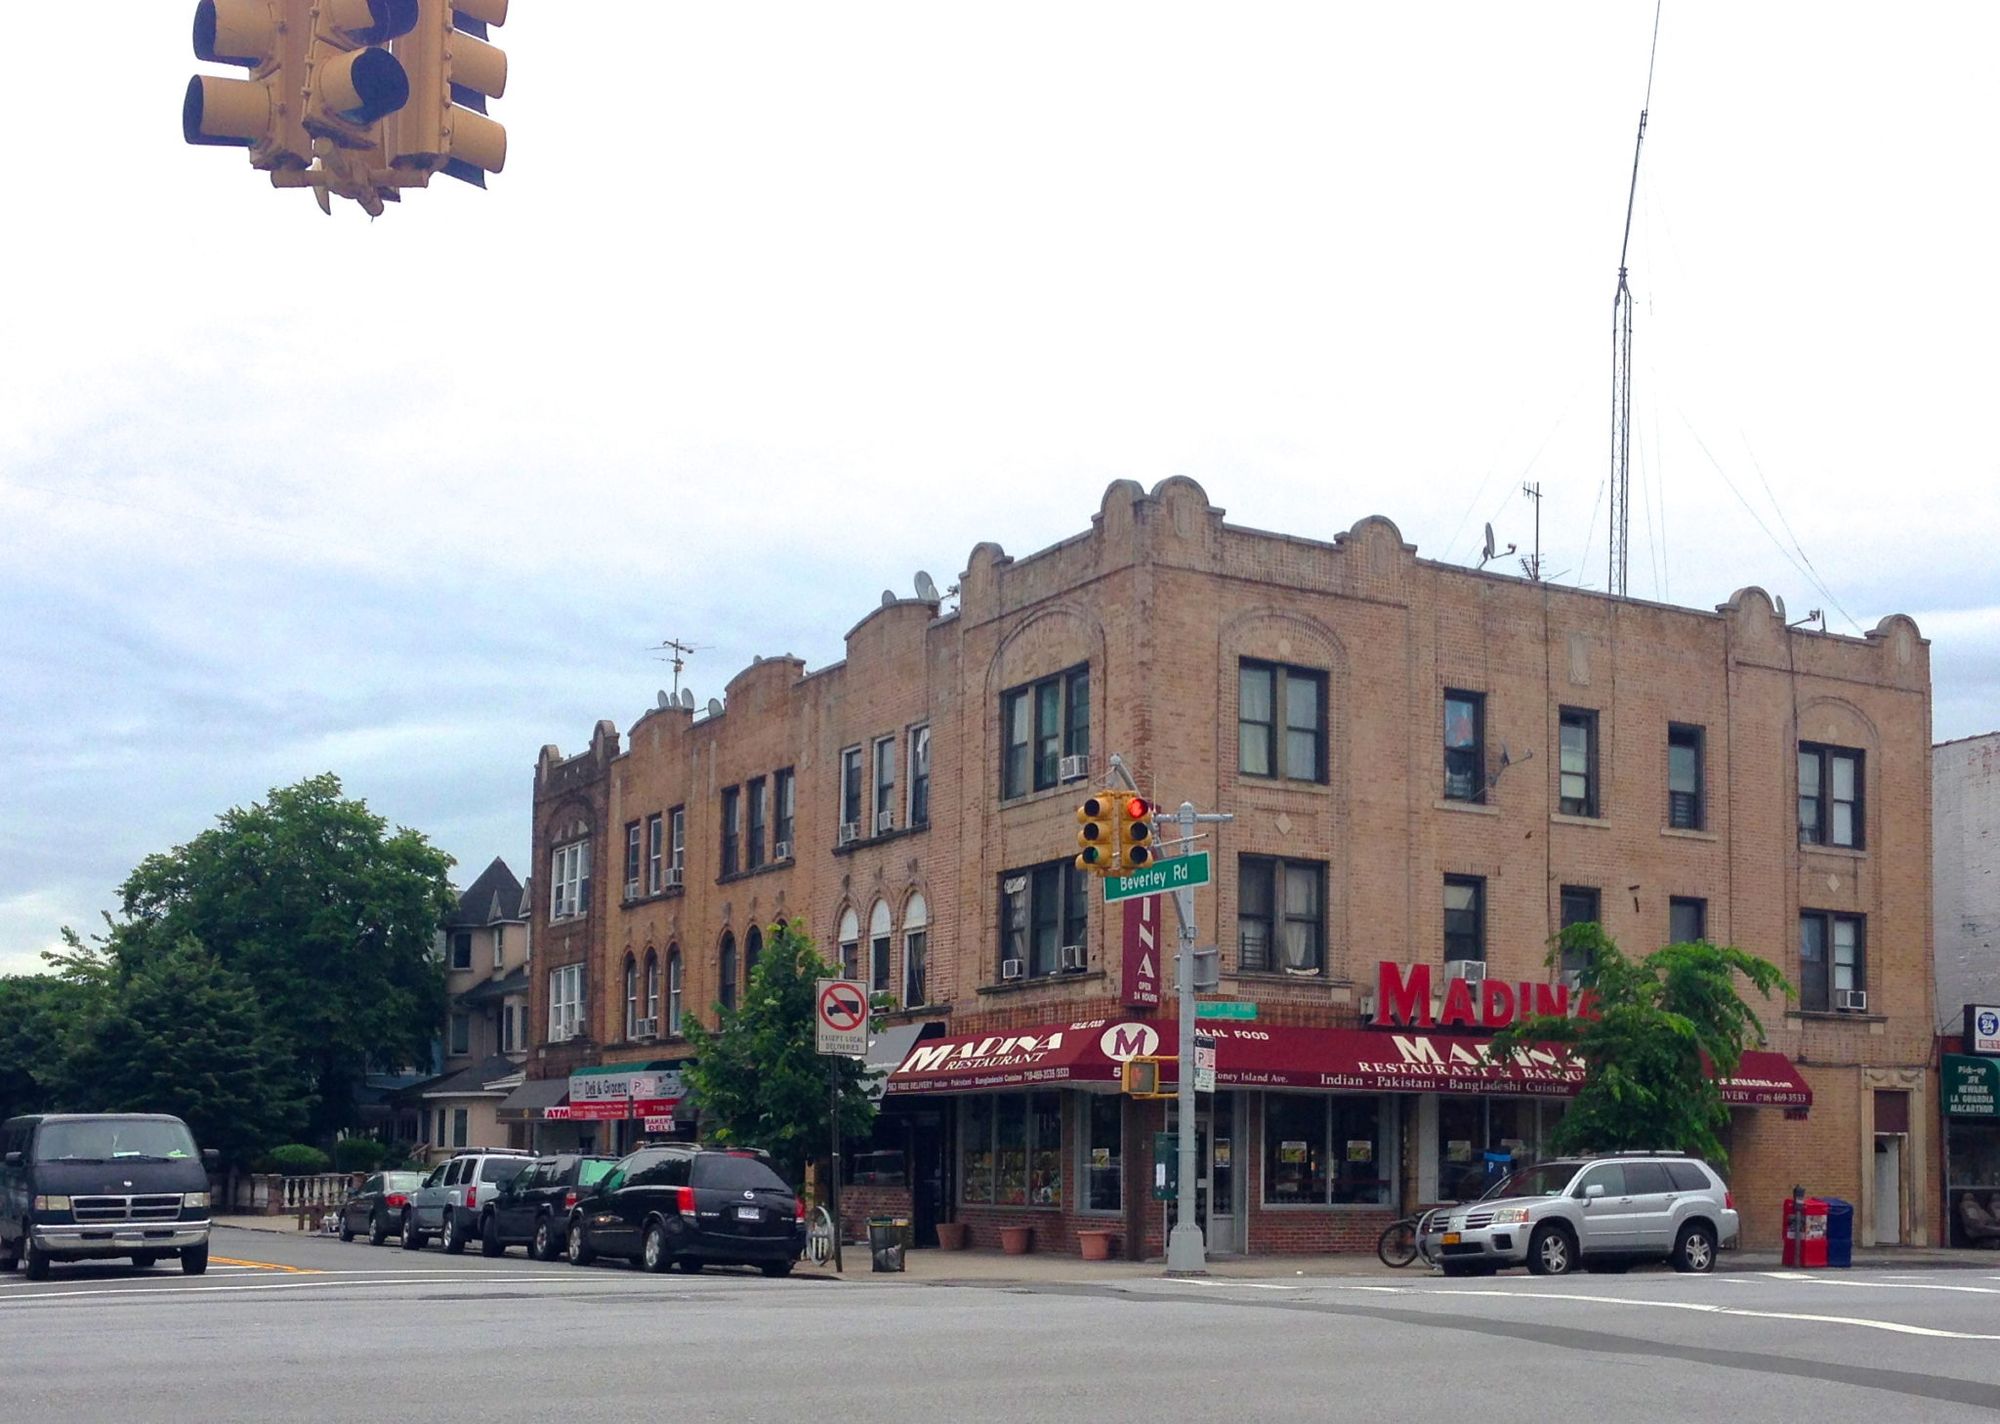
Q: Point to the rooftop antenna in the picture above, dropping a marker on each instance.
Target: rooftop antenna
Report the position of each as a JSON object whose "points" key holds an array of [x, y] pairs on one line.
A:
{"points": [[1489, 554], [1621, 358], [1532, 564], [681, 651]]}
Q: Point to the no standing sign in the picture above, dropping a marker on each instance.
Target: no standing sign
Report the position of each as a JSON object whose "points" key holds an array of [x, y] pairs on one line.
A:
{"points": [[840, 1017]]}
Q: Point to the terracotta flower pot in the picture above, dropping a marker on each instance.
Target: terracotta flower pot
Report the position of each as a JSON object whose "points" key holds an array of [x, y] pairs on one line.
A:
{"points": [[1096, 1244], [951, 1235], [1017, 1240]]}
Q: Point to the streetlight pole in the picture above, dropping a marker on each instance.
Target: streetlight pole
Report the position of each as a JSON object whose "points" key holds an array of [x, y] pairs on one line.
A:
{"points": [[1187, 1253]]}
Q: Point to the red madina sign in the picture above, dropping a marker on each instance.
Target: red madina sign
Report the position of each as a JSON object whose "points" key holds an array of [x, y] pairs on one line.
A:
{"points": [[1403, 997]]}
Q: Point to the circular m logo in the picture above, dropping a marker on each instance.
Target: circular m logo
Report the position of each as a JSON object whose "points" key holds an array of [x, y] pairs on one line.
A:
{"points": [[1130, 1040]]}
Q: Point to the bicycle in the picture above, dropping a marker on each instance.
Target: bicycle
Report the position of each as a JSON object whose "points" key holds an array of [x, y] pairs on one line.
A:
{"points": [[1402, 1241]]}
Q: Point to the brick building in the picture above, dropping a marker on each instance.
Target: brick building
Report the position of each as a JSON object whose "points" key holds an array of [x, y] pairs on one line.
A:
{"points": [[1428, 766]]}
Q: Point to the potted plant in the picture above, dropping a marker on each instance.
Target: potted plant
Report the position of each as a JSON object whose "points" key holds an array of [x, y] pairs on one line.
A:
{"points": [[1017, 1240], [951, 1235], [1096, 1242]]}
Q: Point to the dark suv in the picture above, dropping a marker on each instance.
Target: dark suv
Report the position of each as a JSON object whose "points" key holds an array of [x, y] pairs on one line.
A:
{"points": [[534, 1209], [691, 1206]]}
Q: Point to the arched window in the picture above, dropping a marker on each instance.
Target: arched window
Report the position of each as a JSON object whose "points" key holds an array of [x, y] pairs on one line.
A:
{"points": [[725, 962], [916, 950], [878, 948], [753, 950], [631, 998], [850, 943], [653, 989], [673, 990]]}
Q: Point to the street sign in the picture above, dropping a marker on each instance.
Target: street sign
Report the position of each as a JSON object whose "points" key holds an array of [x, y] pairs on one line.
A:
{"points": [[1204, 1063], [1183, 872], [1971, 1086], [841, 1017], [1223, 1009]]}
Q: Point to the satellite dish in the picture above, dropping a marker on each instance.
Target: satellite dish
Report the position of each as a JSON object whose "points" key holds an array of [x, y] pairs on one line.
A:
{"points": [[715, 706], [888, 598], [1780, 601], [664, 700], [1486, 554], [926, 589], [687, 699]]}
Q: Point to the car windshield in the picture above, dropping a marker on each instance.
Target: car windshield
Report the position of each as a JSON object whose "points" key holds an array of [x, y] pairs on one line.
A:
{"points": [[114, 1140], [1547, 1180], [590, 1173], [736, 1174]]}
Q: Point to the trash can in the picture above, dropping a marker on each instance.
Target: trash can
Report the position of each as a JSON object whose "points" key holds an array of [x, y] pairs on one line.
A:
{"points": [[885, 1241], [1839, 1232], [1805, 1233]]}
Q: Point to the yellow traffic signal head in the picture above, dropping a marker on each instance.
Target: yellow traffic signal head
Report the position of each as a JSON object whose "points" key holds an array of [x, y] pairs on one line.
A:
{"points": [[260, 113], [352, 83], [1141, 1077], [1135, 832], [453, 72], [1097, 837]]}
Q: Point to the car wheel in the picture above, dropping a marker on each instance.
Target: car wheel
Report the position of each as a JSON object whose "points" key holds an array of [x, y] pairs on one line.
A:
{"points": [[544, 1246], [580, 1253], [38, 1262], [776, 1269], [413, 1239], [653, 1254], [1694, 1249], [346, 1227], [453, 1239], [194, 1260], [1551, 1251], [490, 1243], [378, 1229]]}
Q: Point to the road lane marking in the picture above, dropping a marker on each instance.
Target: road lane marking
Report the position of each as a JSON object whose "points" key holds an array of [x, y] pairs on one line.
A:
{"points": [[261, 1266], [1238, 1285], [320, 1282], [1806, 1317]]}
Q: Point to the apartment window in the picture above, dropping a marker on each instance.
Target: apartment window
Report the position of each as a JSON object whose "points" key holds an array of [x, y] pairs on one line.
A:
{"points": [[759, 811], [885, 784], [1581, 905], [565, 1002], [916, 944], [850, 791], [1829, 795], [1579, 762], [458, 1126], [1280, 721], [725, 961], [656, 849], [499, 946], [1326, 1150], [788, 809], [508, 1041], [732, 821], [631, 997], [1040, 724], [753, 950], [920, 777], [461, 1033], [1687, 920], [1464, 746], [633, 853], [1010, 1147], [569, 880], [1280, 915], [1832, 961], [677, 842], [879, 942], [653, 989], [1684, 808], [1464, 917], [673, 990], [1042, 908], [849, 940], [461, 949]]}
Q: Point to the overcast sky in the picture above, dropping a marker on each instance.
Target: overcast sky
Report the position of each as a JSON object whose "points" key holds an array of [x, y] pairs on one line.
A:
{"points": [[776, 304]]}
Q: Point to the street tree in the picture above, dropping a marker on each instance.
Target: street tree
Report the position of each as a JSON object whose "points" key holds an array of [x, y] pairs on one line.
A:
{"points": [[43, 1019], [1656, 1038], [326, 913], [758, 1075]]}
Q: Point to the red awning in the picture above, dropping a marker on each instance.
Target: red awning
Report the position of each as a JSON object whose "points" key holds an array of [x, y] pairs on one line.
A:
{"points": [[1249, 1055]]}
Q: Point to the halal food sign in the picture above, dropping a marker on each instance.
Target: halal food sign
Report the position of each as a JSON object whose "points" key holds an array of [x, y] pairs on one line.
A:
{"points": [[1403, 999]]}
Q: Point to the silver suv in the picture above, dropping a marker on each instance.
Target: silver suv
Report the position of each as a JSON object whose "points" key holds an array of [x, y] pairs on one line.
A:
{"points": [[453, 1196], [1603, 1213]]}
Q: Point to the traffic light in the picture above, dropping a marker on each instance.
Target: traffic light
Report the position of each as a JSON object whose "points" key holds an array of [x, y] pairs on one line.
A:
{"points": [[262, 113], [1098, 838], [353, 82], [1133, 832], [453, 72], [1143, 1078]]}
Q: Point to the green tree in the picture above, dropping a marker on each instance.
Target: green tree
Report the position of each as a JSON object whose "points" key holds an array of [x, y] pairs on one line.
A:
{"points": [[43, 1019], [1658, 1026], [758, 1075], [330, 917], [187, 1036]]}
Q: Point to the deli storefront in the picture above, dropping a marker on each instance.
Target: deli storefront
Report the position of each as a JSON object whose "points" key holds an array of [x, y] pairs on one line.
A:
{"points": [[603, 1109], [1313, 1140]]}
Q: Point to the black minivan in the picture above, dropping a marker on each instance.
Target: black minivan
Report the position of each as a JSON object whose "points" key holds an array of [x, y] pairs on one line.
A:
{"points": [[92, 1186]]}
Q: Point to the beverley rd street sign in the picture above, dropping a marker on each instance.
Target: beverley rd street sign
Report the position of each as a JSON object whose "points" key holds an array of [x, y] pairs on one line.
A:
{"points": [[1223, 1009], [841, 1017], [1183, 872]]}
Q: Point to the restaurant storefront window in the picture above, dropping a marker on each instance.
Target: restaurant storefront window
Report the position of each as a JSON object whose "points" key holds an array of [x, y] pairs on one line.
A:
{"points": [[1011, 1150], [1326, 1151], [1103, 1152], [1481, 1139]]}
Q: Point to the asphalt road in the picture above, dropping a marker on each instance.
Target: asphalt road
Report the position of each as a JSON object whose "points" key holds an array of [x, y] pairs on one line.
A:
{"points": [[306, 1328]]}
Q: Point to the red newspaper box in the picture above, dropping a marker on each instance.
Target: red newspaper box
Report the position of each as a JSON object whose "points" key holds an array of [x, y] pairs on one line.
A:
{"points": [[1805, 1233]]}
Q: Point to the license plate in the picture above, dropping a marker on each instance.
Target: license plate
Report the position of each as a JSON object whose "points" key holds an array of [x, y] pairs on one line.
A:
{"points": [[749, 1213], [1451, 1238]]}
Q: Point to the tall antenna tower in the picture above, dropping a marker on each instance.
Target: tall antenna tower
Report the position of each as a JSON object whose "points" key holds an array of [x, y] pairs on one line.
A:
{"points": [[1621, 357], [681, 652]]}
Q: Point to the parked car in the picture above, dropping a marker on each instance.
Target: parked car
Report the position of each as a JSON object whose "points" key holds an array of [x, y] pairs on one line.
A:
{"points": [[448, 1203], [376, 1206], [533, 1209], [89, 1186], [691, 1206], [1602, 1213]]}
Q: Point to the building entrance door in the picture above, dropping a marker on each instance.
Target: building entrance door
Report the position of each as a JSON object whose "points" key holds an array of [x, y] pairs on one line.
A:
{"points": [[1888, 1189], [1215, 1208], [930, 1165]]}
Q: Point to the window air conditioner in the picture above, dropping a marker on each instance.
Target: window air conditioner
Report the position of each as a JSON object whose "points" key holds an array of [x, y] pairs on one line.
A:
{"points": [[631, 889], [1473, 971], [885, 822], [1074, 957], [1073, 768], [646, 1028], [673, 877], [1011, 969], [850, 832], [1853, 1000], [782, 851]]}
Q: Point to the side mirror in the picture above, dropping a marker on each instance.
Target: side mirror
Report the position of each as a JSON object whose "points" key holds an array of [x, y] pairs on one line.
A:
{"points": [[13, 1159], [210, 1156], [1593, 1191]]}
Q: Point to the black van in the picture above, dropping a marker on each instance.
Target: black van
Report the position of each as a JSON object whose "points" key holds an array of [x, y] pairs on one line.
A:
{"points": [[87, 1186]]}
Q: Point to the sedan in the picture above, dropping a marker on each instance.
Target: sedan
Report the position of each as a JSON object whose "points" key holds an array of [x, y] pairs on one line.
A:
{"points": [[376, 1206]]}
